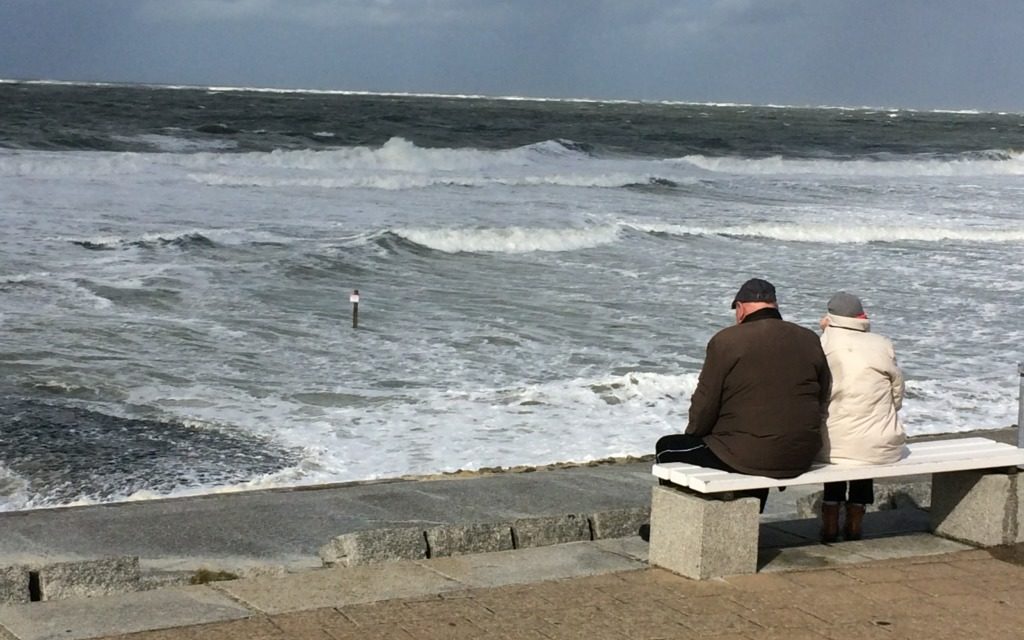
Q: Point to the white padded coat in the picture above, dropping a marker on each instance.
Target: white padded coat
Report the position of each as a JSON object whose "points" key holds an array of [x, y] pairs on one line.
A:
{"points": [[863, 424]]}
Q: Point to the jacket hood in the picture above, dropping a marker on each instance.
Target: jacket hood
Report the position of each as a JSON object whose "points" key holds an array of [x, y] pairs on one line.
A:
{"points": [[845, 322]]}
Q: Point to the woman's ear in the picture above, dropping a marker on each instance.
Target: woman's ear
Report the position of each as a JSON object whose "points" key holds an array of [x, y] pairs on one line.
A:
{"points": [[823, 323]]}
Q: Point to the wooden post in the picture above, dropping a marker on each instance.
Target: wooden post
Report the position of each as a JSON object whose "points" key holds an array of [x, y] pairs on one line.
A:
{"points": [[354, 299]]}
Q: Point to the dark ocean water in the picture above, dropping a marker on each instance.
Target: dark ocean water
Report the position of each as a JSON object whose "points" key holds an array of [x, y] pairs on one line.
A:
{"points": [[118, 118]]}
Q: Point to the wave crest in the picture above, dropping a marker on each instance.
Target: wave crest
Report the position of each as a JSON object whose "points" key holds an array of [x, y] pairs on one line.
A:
{"points": [[974, 163], [399, 164], [838, 234], [510, 239], [150, 241]]}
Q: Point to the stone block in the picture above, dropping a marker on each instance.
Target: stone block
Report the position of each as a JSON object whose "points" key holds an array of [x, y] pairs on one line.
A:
{"points": [[86, 578], [459, 539], [976, 507], [618, 523], [898, 495], [375, 545], [539, 532], [701, 536], [14, 585], [888, 495]]}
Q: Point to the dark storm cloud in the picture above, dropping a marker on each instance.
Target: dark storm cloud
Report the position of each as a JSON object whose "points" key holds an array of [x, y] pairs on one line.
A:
{"points": [[924, 53]]}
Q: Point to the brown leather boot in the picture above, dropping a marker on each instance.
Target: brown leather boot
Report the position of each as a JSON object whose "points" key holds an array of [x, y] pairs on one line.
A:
{"points": [[854, 520], [829, 522]]}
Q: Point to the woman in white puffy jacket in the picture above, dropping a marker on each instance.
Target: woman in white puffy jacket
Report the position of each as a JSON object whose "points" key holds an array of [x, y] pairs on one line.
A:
{"points": [[863, 425]]}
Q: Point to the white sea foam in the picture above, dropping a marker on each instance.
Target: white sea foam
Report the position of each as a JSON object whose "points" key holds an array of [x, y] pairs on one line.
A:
{"points": [[14, 494], [17, 278], [397, 154], [226, 236], [510, 239], [841, 234], [1011, 165], [936, 406], [176, 144], [498, 427], [419, 181], [61, 386], [448, 429], [80, 294], [400, 164], [46, 164]]}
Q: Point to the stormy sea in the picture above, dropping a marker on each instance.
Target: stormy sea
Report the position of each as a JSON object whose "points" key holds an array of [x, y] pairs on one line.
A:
{"points": [[537, 278]]}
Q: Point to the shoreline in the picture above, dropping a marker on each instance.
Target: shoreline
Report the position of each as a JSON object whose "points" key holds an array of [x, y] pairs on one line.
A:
{"points": [[525, 468], [1003, 434], [286, 528]]}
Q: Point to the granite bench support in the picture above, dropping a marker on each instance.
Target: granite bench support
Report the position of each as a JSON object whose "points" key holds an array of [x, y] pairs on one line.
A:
{"points": [[700, 529]]}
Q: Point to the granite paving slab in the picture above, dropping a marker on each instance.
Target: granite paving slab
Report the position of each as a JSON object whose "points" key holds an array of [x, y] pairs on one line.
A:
{"points": [[122, 613]]}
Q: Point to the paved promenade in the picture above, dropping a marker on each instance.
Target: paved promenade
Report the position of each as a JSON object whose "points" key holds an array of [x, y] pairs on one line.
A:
{"points": [[964, 594], [899, 583]]}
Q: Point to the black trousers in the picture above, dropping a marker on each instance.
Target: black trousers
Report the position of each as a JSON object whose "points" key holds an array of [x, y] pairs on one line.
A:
{"points": [[860, 492], [682, 447]]}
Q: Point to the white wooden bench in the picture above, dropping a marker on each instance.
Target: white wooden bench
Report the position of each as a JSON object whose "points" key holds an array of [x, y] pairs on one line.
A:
{"points": [[699, 528]]}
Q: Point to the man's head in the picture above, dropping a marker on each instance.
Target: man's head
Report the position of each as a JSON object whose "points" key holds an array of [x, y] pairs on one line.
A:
{"points": [[754, 295]]}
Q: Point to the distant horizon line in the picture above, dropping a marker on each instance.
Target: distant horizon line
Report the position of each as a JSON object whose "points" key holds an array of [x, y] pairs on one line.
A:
{"points": [[475, 96]]}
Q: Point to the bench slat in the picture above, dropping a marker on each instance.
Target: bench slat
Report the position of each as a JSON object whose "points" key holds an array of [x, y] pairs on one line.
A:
{"points": [[937, 456], [665, 469], [966, 444]]}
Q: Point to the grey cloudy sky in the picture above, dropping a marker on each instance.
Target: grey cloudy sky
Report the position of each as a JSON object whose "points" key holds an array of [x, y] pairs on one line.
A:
{"points": [[950, 54]]}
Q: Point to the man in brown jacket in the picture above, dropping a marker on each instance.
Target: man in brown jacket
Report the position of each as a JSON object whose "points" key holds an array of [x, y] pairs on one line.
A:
{"points": [[761, 395]]}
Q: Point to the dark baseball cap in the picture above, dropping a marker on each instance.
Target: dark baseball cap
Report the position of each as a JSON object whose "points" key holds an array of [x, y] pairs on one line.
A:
{"points": [[755, 290]]}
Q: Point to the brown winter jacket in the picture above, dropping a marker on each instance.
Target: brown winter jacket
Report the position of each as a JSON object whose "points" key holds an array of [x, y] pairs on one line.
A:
{"points": [[762, 396]]}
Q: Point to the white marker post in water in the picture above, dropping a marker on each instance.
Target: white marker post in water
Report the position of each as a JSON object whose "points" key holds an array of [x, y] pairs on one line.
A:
{"points": [[354, 299]]}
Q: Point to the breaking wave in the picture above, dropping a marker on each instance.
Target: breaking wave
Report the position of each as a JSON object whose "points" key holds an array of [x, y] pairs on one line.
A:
{"points": [[420, 181], [400, 164], [148, 241], [974, 163], [396, 165], [839, 234], [510, 239], [167, 143]]}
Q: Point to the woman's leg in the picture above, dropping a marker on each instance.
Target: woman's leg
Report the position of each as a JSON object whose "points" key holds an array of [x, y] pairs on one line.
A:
{"points": [[862, 492], [835, 493]]}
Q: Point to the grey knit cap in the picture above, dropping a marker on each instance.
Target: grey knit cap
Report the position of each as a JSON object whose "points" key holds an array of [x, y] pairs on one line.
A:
{"points": [[847, 305]]}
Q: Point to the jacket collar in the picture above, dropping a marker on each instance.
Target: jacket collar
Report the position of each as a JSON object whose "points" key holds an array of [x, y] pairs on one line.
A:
{"points": [[853, 324], [763, 314]]}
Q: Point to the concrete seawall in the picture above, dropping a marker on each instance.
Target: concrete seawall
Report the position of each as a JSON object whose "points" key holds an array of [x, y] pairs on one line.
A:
{"points": [[277, 531], [68, 552]]}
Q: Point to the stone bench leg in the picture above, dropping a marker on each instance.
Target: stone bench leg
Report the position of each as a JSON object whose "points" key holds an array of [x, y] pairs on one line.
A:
{"points": [[977, 507], [702, 537]]}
